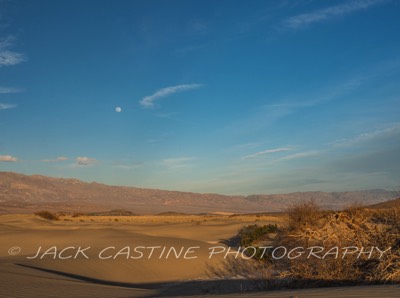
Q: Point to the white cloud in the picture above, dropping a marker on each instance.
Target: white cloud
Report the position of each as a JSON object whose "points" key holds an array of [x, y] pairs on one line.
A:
{"points": [[265, 152], [8, 90], [179, 162], [7, 158], [8, 57], [306, 19], [6, 106], [148, 101], [301, 155], [85, 161]]}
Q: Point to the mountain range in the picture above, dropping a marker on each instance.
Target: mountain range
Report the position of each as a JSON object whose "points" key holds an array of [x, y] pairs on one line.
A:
{"points": [[25, 194]]}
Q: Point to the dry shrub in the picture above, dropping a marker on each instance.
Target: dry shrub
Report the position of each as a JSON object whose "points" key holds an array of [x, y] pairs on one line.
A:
{"points": [[303, 214], [310, 226], [47, 215], [355, 226], [387, 216]]}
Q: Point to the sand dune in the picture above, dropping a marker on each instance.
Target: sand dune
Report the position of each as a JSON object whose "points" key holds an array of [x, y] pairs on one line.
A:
{"points": [[30, 232], [154, 276]]}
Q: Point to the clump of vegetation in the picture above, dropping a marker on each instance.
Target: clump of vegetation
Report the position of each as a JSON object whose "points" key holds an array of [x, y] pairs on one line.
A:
{"points": [[47, 215], [253, 233], [357, 229], [304, 214]]}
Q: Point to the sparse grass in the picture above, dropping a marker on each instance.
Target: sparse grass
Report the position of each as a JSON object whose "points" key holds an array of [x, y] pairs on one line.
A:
{"points": [[47, 215]]}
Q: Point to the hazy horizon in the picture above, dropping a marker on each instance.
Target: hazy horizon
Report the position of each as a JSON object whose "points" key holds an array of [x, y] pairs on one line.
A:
{"points": [[203, 96]]}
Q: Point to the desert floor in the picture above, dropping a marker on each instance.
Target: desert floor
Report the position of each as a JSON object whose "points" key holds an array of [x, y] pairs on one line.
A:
{"points": [[60, 270]]}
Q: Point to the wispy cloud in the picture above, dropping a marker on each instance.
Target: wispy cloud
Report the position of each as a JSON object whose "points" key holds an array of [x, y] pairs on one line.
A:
{"points": [[387, 132], [176, 163], [8, 158], [6, 106], [289, 104], [58, 159], [323, 96], [6, 42], [7, 56], [336, 90], [85, 161], [8, 90], [301, 155], [329, 13], [148, 101], [265, 152]]}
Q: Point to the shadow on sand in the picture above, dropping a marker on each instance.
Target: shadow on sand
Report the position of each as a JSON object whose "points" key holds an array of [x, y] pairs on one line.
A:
{"points": [[210, 287]]}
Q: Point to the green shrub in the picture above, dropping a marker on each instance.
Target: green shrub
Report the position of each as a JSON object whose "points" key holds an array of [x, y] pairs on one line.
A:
{"points": [[252, 233]]}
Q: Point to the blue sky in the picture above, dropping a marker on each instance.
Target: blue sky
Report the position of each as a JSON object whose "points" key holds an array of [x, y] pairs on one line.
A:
{"points": [[230, 97]]}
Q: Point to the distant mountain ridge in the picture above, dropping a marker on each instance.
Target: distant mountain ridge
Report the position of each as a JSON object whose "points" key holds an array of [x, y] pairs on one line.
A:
{"points": [[23, 193]]}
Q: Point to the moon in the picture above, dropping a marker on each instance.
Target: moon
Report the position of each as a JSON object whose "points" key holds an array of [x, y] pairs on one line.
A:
{"points": [[118, 109]]}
